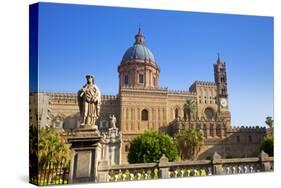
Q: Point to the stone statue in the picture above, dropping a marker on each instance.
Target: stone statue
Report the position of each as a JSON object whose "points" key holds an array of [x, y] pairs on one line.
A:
{"points": [[89, 101], [112, 121]]}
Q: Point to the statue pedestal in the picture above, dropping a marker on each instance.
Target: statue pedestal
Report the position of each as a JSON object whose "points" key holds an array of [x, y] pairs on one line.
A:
{"points": [[86, 147]]}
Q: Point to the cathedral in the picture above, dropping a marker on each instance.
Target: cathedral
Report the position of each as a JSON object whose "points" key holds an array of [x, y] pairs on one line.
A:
{"points": [[142, 104]]}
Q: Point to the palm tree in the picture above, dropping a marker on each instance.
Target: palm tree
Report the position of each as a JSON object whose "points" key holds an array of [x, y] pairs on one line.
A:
{"points": [[269, 121], [189, 143], [189, 108], [52, 151], [33, 154]]}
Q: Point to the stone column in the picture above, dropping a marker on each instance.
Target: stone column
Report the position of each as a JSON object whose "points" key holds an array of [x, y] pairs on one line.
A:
{"points": [[126, 118], [217, 164], [136, 77], [208, 130], [222, 130], [151, 78], [163, 167], [134, 114], [161, 117], [156, 118], [130, 119], [214, 130]]}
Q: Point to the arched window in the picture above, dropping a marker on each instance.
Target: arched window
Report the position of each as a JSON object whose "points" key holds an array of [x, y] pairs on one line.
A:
{"points": [[126, 148], [184, 115], [209, 113], [176, 113], [126, 79], [141, 80], [144, 115]]}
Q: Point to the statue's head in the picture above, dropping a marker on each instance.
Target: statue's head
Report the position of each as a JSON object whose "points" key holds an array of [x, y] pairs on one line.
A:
{"points": [[90, 79]]}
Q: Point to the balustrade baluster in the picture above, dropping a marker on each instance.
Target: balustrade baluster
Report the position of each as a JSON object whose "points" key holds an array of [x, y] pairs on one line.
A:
{"points": [[116, 177], [233, 170], [209, 171], [131, 177], [182, 173], [123, 177]]}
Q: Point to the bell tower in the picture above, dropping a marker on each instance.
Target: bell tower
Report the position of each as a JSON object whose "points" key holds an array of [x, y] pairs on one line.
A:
{"points": [[221, 82]]}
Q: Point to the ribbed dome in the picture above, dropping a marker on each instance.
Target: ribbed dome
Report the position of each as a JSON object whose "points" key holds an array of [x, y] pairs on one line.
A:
{"points": [[138, 51]]}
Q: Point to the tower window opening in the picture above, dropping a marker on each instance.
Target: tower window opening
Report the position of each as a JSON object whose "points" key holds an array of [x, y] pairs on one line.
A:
{"points": [[126, 79], [144, 115], [141, 80]]}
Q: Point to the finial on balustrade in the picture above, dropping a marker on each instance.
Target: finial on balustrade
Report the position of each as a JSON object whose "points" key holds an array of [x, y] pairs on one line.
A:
{"points": [[263, 156], [103, 164], [163, 159], [216, 156]]}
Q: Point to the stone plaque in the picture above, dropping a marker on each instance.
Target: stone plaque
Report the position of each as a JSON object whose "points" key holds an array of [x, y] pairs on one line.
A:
{"points": [[84, 163]]}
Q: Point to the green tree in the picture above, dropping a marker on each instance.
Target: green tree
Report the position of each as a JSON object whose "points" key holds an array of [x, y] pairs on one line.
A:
{"points": [[33, 154], [189, 108], [150, 146], [189, 143], [52, 148], [267, 145], [269, 121]]}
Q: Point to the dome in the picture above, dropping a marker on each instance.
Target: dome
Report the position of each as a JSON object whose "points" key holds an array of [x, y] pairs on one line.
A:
{"points": [[138, 51], [138, 68]]}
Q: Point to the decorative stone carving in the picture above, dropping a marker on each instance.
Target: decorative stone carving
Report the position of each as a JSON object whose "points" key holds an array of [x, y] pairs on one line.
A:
{"points": [[57, 121], [89, 101], [112, 121]]}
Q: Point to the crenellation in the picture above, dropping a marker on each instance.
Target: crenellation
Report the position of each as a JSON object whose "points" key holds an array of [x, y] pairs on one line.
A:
{"points": [[252, 129], [109, 97], [142, 88], [202, 83], [185, 92]]}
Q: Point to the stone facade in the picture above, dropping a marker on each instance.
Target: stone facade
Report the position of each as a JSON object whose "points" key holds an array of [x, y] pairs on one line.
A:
{"points": [[142, 104]]}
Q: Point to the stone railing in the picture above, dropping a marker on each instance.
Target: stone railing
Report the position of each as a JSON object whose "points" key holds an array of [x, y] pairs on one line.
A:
{"points": [[166, 169]]}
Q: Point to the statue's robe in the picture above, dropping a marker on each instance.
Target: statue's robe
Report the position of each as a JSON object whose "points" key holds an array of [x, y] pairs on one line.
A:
{"points": [[89, 102]]}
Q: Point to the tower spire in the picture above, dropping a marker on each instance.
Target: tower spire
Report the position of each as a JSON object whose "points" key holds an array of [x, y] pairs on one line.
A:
{"points": [[218, 59]]}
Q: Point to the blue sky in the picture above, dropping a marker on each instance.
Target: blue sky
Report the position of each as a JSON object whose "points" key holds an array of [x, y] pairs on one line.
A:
{"points": [[76, 40]]}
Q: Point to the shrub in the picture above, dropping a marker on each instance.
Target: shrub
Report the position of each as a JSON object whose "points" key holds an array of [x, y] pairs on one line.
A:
{"points": [[150, 146]]}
